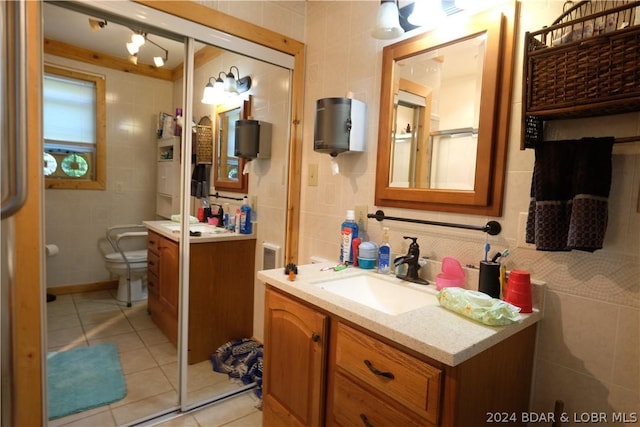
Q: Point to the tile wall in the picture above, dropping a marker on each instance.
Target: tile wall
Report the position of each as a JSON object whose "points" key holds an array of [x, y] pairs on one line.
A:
{"points": [[588, 348]]}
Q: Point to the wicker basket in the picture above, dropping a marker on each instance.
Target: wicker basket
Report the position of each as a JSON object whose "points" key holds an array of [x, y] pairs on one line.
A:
{"points": [[575, 68]]}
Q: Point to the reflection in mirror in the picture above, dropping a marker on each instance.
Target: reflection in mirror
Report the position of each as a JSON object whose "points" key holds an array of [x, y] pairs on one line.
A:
{"points": [[228, 169], [437, 108], [444, 112]]}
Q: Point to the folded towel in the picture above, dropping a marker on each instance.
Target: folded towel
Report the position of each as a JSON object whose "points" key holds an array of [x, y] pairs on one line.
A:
{"points": [[200, 180], [569, 194]]}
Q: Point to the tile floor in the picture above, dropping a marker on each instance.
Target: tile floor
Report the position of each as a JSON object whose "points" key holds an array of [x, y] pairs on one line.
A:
{"points": [[149, 363]]}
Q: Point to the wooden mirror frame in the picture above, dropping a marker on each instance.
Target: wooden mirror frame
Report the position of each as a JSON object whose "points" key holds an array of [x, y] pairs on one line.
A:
{"points": [[486, 198], [242, 184]]}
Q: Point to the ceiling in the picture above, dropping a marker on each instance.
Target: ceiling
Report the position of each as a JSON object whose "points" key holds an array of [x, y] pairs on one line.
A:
{"points": [[71, 27]]}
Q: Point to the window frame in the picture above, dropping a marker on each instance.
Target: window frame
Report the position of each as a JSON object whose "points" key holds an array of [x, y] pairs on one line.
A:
{"points": [[98, 182]]}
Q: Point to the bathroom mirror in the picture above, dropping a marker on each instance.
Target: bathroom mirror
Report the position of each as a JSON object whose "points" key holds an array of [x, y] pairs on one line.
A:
{"points": [[228, 168], [444, 112]]}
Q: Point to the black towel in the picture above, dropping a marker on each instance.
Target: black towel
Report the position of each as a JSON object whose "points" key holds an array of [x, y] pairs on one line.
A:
{"points": [[569, 194], [200, 180]]}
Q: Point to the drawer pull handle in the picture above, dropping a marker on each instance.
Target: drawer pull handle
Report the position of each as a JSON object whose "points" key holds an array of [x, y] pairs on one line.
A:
{"points": [[378, 371], [365, 420], [315, 337]]}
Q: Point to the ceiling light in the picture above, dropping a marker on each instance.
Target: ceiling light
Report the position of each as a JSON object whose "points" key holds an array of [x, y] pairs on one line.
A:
{"points": [[132, 48], [133, 58], [158, 61], [387, 21], [426, 14], [138, 38], [97, 24]]}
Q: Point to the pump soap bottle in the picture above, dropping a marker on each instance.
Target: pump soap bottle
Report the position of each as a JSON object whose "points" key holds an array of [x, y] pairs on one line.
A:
{"points": [[384, 253], [245, 217]]}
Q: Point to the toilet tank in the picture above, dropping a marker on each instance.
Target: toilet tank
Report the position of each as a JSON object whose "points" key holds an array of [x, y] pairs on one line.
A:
{"points": [[339, 126]]}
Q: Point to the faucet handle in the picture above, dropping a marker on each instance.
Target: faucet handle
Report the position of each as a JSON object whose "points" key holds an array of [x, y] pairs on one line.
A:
{"points": [[414, 248]]}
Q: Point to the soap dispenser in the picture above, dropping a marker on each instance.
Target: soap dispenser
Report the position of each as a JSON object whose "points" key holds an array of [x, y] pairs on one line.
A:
{"points": [[384, 253]]}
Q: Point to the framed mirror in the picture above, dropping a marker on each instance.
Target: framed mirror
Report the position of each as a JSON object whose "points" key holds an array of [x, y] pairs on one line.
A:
{"points": [[228, 169], [444, 114]]}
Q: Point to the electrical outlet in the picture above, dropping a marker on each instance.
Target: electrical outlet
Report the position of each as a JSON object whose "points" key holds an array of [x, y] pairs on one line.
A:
{"points": [[361, 217], [522, 232], [312, 179]]}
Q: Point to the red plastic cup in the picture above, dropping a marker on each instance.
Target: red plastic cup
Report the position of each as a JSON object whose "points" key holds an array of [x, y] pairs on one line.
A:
{"points": [[519, 290]]}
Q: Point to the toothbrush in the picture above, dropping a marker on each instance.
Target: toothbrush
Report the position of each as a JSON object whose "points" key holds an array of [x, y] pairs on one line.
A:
{"points": [[487, 248]]}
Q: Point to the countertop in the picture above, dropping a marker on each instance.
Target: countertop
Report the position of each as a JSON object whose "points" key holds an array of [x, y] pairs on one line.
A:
{"points": [[210, 233], [432, 330]]}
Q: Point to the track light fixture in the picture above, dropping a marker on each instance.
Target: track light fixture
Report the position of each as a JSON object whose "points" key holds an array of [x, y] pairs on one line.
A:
{"points": [[225, 86], [97, 24], [138, 39]]}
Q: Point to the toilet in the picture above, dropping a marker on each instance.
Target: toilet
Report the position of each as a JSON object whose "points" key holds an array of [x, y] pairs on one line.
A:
{"points": [[126, 262], [138, 264]]}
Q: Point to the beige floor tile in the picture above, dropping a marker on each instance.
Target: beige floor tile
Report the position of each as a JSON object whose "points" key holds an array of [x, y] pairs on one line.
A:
{"points": [[152, 336], [101, 419], [143, 385], [254, 419], [205, 393], [125, 342], [108, 328], [145, 407], [63, 305], [65, 321], [182, 421], [136, 360], [93, 317], [140, 319], [226, 412], [164, 353], [69, 337], [84, 306]]}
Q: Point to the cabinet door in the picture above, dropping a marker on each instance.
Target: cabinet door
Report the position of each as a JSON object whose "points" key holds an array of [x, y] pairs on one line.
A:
{"points": [[168, 271], [294, 362]]}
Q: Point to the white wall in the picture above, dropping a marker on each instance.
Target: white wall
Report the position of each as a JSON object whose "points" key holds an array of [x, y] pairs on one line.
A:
{"points": [[76, 220]]}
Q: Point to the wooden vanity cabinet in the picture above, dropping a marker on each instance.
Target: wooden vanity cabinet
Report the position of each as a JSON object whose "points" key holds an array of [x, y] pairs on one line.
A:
{"points": [[371, 381], [294, 363], [221, 282]]}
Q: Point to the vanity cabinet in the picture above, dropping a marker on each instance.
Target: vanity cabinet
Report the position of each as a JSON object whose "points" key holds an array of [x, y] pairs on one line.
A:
{"points": [[294, 362], [369, 380], [220, 291]]}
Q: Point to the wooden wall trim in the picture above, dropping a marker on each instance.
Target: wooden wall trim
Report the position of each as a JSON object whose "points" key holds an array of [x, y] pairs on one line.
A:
{"points": [[28, 279], [66, 50]]}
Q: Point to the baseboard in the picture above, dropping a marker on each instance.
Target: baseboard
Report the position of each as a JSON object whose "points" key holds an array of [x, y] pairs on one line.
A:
{"points": [[83, 287]]}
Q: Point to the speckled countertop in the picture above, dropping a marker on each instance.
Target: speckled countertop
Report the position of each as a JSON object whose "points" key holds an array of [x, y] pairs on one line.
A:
{"points": [[431, 330], [210, 233]]}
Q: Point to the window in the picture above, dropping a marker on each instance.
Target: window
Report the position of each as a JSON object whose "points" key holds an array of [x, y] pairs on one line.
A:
{"points": [[74, 116]]}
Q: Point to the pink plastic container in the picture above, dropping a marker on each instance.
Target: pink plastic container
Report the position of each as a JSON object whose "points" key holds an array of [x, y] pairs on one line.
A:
{"points": [[452, 275]]}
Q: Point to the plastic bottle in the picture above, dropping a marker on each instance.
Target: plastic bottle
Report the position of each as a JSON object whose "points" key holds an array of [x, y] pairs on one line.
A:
{"points": [[384, 253], [245, 217], [225, 219], [236, 222], [348, 232]]}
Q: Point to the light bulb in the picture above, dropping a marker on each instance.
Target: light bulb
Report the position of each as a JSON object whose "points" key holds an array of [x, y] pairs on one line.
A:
{"points": [[158, 60], [132, 48], [137, 39], [387, 22]]}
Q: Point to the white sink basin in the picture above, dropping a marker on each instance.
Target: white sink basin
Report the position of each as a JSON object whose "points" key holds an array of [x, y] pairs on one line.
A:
{"points": [[205, 229], [388, 295]]}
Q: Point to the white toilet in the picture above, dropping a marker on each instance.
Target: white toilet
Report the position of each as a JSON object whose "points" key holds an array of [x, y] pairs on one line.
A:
{"points": [[130, 265], [138, 264]]}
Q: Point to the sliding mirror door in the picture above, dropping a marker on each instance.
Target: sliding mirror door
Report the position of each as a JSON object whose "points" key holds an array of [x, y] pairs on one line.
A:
{"points": [[146, 170]]}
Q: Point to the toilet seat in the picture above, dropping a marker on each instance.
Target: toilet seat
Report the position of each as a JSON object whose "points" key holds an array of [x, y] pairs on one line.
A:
{"points": [[132, 256]]}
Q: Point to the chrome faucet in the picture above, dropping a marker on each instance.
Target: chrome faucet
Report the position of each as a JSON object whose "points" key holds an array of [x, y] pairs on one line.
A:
{"points": [[411, 259]]}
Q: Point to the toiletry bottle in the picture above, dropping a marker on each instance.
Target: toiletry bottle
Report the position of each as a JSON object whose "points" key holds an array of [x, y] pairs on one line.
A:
{"points": [[236, 222], [384, 252], [225, 219], [179, 121], [349, 231], [245, 217]]}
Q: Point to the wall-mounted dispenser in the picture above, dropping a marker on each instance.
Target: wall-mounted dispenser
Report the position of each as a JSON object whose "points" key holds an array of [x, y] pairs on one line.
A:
{"points": [[339, 126], [253, 139]]}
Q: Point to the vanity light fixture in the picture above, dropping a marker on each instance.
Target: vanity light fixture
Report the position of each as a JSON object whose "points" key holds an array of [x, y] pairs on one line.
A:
{"points": [[387, 21], [225, 86]]}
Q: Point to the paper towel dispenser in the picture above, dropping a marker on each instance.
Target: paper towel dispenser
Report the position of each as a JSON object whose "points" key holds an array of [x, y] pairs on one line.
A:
{"points": [[253, 139], [339, 126]]}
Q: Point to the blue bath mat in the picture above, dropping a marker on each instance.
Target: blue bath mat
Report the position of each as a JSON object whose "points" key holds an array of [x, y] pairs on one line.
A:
{"points": [[83, 378]]}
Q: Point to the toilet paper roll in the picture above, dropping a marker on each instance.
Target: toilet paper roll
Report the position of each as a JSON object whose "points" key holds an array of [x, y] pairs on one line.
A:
{"points": [[51, 250]]}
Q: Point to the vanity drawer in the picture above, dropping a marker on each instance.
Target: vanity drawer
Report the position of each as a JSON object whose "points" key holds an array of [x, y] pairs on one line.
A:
{"points": [[402, 377], [355, 406], [153, 242], [152, 263]]}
